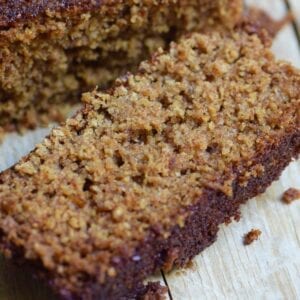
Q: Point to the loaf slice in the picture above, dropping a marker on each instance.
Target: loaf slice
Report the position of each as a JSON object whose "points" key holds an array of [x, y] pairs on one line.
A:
{"points": [[51, 51], [143, 175]]}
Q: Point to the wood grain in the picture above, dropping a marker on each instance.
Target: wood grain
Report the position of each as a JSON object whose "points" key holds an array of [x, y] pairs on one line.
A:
{"points": [[267, 269]]}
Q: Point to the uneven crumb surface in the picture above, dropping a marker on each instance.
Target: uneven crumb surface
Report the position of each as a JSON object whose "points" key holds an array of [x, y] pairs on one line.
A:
{"points": [[138, 156], [251, 236], [290, 195], [51, 51]]}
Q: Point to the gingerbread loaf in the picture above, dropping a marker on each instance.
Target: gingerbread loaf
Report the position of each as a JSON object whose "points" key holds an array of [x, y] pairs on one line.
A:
{"points": [[142, 176], [51, 51]]}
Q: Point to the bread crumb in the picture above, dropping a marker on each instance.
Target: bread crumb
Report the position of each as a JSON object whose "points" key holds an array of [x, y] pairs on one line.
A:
{"points": [[190, 265], [290, 195], [251, 236], [155, 291]]}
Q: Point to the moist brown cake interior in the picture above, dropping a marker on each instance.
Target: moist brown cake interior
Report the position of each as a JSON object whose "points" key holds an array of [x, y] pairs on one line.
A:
{"points": [[51, 51], [175, 148]]}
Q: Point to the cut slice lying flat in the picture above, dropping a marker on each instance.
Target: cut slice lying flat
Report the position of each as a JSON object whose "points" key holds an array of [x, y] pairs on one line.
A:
{"points": [[143, 175]]}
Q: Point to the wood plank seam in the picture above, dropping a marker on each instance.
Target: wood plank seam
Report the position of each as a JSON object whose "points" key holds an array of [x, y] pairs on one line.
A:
{"points": [[295, 6], [294, 24], [166, 283]]}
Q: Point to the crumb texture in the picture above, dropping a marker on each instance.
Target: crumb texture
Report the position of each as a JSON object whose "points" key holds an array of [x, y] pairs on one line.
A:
{"points": [[137, 157], [51, 51], [291, 195]]}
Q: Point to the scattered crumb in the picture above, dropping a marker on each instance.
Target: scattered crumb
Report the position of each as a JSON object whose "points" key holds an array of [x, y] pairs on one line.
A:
{"points": [[251, 236], [290, 195], [190, 265], [155, 291]]}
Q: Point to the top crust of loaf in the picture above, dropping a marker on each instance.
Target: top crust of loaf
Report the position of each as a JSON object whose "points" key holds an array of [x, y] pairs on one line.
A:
{"points": [[14, 11]]}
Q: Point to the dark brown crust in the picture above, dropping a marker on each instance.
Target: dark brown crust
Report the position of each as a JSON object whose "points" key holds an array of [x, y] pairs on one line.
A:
{"points": [[15, 11], [200, 231]]}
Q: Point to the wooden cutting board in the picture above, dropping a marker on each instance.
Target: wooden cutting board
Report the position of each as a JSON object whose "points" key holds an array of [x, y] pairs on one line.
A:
{"points": [[267, 269]]}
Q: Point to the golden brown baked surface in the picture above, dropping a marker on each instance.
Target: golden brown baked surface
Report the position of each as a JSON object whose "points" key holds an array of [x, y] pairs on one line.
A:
{"points": [[209, 115], [51, 51]]}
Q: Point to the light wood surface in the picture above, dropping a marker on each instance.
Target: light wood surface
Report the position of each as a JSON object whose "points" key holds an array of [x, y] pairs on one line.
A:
{"points": [[267, 269]]}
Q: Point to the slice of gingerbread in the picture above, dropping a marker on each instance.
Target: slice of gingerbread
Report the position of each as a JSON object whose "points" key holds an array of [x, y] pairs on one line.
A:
{"points": [[51, 51], [143, 175]]}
